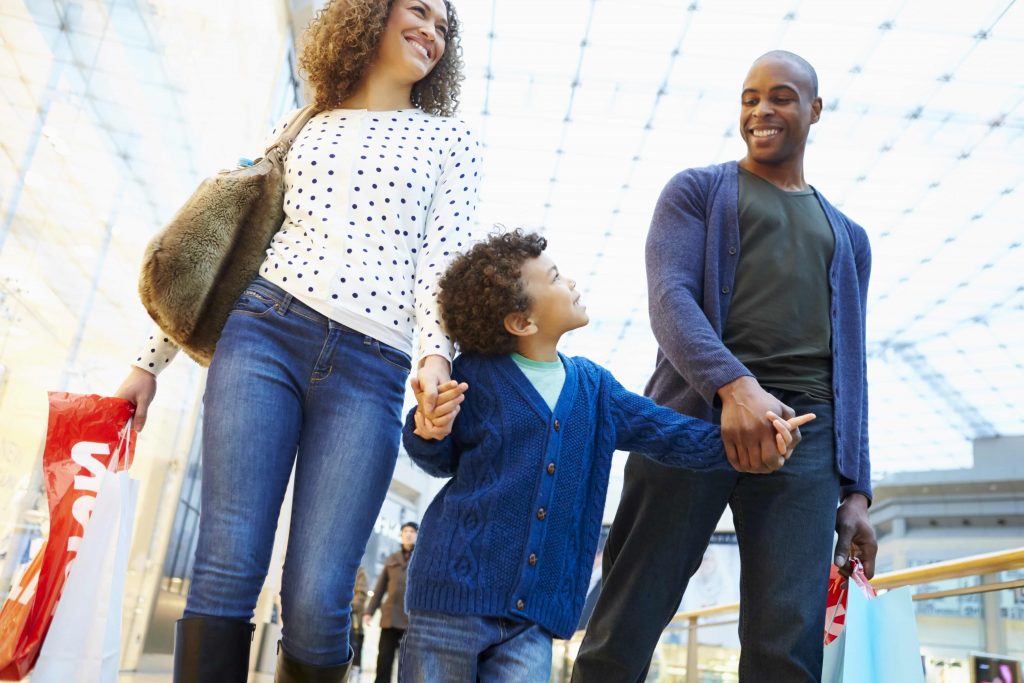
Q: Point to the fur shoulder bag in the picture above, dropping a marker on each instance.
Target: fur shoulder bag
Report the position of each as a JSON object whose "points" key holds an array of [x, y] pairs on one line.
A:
{"points": [[195, 268]]}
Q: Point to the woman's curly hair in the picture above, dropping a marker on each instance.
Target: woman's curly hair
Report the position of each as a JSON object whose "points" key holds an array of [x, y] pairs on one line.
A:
{"points": [[482, 286], [342, 40]]}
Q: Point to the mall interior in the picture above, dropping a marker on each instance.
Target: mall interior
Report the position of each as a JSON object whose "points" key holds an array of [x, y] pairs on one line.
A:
{"points": [[112, 111]]}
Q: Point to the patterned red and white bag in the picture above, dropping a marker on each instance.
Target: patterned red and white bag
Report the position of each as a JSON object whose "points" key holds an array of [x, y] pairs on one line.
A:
{"points": [[86, 437], [835, 607]]}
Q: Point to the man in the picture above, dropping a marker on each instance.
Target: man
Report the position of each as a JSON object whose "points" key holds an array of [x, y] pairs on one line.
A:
{"points": [[393, 620], [757, 289]]}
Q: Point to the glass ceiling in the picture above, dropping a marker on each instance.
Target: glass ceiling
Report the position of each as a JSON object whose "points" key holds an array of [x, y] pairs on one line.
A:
{"points": [[112, 111]]}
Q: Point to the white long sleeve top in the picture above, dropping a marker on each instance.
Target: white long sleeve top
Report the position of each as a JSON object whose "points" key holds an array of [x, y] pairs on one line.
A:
{"points": [[376, 205]]}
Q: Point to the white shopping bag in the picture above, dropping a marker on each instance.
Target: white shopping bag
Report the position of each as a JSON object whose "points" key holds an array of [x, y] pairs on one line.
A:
{"points": [[83, 644]]}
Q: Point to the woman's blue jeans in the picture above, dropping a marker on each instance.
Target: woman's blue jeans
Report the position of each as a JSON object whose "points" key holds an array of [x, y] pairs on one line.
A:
{"points": [[289, 386]]}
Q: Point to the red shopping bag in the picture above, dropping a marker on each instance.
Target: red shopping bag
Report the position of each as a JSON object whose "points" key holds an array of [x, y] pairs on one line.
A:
{"points": [[83, 434], [835, 606]]}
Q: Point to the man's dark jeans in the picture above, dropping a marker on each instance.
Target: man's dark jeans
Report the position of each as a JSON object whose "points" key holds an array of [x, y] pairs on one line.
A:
{"points": [[784, 526]]}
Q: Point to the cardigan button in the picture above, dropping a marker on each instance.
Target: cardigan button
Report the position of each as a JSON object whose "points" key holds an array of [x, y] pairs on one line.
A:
{"points": [[541, 514], [551, 468], [725, 289], [732, 250], [520, 603], [532, 559], [558, 425]]}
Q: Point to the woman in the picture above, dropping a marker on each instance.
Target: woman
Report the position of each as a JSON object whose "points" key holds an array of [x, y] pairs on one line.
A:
{"points": [[380, 186]]}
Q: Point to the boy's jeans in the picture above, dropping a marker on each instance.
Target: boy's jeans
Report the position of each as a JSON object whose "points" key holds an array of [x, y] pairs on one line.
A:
{"points": [[439, 648], [285, 378]]}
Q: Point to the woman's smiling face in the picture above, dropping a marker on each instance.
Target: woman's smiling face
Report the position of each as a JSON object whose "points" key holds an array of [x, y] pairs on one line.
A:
{"points": [[414, 39]]}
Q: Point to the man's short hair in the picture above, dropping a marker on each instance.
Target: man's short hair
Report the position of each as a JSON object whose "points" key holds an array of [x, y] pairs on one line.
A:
{"points": [[482, 286], [412, 525], [798, 61]]}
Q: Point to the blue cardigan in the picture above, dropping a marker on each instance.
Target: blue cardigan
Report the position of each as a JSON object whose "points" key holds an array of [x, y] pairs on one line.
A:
{"points": [[692, 251], [515, 531]]}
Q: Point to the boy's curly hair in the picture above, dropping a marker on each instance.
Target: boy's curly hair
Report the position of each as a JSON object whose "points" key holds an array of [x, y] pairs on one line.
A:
{"points": [[342, 40], [482, 286]]}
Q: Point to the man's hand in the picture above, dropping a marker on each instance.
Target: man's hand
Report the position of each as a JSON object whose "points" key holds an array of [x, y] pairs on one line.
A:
{"points": [[856, 536], [367, 618], [450, 397], [139, 387], [747, 433]]}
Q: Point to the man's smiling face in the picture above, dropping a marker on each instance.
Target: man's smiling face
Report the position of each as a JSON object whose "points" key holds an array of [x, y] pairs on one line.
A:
{"points": [[777, 107]]}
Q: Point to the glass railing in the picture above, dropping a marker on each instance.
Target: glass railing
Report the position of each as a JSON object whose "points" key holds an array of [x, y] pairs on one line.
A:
{"points": [[969, 611]]}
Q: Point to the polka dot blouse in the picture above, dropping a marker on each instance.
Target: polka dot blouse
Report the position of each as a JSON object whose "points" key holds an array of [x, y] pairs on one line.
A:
{"points": [[376, 205]]}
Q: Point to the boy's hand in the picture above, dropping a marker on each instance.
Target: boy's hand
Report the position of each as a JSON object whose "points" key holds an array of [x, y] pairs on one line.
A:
{"points": [[425, 430], [787, 433], [748, 438], [450, 396]]}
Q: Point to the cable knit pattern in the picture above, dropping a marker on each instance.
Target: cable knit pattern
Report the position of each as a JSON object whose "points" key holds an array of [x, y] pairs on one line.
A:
{"points": [[515, 530]]}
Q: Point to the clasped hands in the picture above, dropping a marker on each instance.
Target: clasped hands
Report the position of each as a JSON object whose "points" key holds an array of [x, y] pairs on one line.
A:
{"points": [[748, 414], [436, 414]]}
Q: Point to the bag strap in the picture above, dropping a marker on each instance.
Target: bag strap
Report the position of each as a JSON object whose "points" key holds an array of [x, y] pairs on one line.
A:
{"points": [[861, 580], [291, 130], [122, 448]]}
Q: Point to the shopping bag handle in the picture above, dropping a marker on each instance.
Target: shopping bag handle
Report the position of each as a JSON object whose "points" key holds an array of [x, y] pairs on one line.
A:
{"points": [[835, 611], [861, 580], [122, 448]]}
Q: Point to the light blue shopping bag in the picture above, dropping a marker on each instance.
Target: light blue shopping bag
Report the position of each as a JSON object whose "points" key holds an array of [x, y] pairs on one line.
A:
{"points": [[878, 643]]}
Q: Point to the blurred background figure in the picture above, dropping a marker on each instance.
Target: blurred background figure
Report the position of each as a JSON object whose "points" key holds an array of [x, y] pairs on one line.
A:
{"points": [[389, 596]]}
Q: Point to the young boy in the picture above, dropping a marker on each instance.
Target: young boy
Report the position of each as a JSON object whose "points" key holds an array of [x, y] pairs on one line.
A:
{"points": [[506, 547]]}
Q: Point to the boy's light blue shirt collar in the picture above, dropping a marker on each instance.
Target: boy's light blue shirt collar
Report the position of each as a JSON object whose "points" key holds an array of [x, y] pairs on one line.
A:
{"points": [[508, 365], [538, 364]]}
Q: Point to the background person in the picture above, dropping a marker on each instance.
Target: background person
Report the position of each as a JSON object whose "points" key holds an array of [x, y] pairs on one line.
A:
{"points": [[389, 596], [356, 633]]}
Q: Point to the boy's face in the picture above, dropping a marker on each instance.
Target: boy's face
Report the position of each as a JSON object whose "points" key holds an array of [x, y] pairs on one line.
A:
{"points": [[556, 307]]}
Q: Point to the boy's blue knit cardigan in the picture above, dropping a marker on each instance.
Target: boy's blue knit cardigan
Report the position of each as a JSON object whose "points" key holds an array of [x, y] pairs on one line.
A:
{"points": [[515, 530]]}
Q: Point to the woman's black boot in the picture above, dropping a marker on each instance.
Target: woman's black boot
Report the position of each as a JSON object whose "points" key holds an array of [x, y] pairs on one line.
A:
{"points": [[291, 670], [212, 650]]}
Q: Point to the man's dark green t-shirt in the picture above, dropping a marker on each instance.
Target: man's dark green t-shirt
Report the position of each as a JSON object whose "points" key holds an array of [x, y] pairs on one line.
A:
{"points": [[779, 324]]}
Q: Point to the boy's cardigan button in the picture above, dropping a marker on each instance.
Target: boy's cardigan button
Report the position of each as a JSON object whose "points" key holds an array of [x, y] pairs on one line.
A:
{"points": [[551, 468], [520, 604], [541, 514], [532, 559], [557, 425]]}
